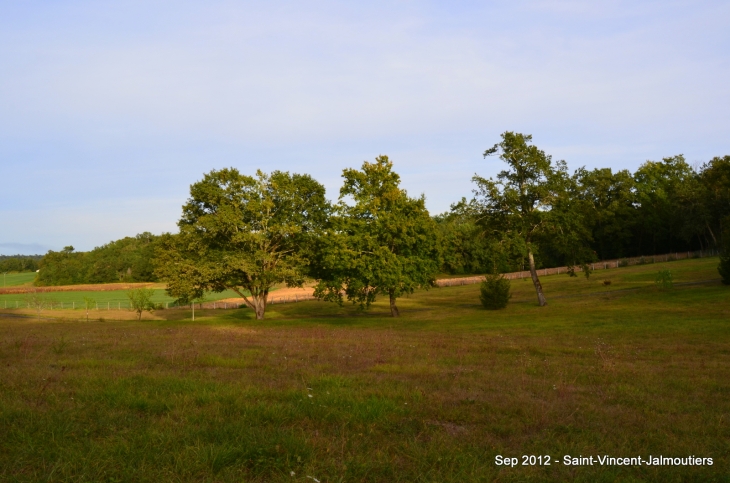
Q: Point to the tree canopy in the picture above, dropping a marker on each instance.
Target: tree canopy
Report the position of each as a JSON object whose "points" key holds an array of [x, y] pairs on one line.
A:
{"points": [[379, 240], [243, 233], [129, 259], [528, 201]]}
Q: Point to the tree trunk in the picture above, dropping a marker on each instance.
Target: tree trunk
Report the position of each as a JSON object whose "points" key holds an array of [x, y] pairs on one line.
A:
{"points": [[536, 281], [711, 233], [393, 309], [259, 306]]}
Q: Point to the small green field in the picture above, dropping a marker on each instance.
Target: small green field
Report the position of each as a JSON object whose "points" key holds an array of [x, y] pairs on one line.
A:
{"points": [[15, 279], [104, 299], [323, 392]]}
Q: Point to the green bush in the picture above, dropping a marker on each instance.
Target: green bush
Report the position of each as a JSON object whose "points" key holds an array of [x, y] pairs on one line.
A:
{"points": [[664, 279], [495, 292]]}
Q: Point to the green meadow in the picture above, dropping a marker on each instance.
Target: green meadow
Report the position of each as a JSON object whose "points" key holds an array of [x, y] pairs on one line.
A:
{"points": [[324, 393], [15, 279], [111, 299]]}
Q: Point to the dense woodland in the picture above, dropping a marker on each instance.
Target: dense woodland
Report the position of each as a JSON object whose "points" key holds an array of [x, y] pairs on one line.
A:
{"points": [[535, 208]]}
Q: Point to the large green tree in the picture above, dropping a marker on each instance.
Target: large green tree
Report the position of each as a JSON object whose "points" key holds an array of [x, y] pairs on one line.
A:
{"points": [[530, 202], [379, 241], [243, 233]]}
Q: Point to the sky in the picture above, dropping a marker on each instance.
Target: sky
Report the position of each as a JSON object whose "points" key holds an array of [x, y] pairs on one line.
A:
{"points": [[110, 110]]}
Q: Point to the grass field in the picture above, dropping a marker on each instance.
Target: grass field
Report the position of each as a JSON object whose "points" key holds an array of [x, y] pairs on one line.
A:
{"points": [[15, 279], [327, 393], [104, 299]]}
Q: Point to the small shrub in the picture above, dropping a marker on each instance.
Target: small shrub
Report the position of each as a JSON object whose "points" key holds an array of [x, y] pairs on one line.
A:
{"points": [[724, 268], [624, 262], [140, 300], [495, 292], [587, 270], [664, 279]]}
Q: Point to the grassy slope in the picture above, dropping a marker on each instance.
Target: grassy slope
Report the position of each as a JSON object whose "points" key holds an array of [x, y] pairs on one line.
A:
{"points": [[433, 396]]}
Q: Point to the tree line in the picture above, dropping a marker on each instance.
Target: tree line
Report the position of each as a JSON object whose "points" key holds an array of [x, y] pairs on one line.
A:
{"points": [[572, 218], [250, 233], [130, 259], [19, 263]]}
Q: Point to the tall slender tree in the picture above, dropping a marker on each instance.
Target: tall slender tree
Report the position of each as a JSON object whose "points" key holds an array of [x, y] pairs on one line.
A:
{"points": [[528, 201]]}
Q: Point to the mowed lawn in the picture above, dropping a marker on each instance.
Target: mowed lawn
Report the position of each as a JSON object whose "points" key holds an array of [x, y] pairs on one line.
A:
{"points": [[327, 393]]}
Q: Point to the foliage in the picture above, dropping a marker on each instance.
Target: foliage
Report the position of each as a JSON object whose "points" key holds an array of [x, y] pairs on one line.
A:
{"points": [[464, 247], [383, 243], [495, 292], [664, 279], [127, 260], [245, 234], [530, 203], [665, 195], [724, 268], [88, 303], [38, 301], [19, 263], [140, 300], [606, 204], [665, 206]]}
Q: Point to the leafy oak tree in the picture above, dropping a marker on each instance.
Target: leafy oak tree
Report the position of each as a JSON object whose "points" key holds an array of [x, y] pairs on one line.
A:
{"points": [[243, 233], [530, 202], [382, 242]]}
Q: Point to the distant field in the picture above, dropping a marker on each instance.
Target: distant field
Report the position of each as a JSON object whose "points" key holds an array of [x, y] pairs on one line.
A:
{"points": [[104, 299], [323, 392], [15, 279]]}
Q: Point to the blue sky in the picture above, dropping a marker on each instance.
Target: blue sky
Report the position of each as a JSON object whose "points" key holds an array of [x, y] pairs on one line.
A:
{"points": [[110, 110]]}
